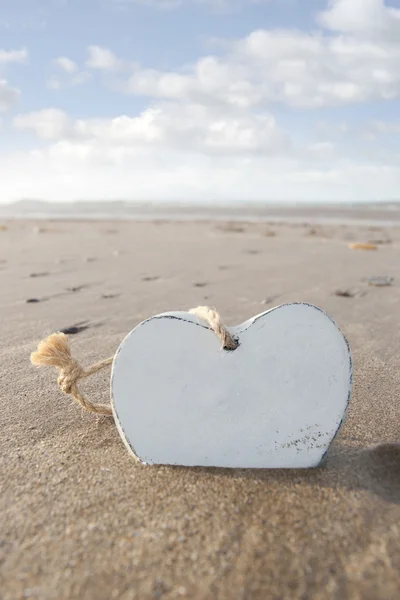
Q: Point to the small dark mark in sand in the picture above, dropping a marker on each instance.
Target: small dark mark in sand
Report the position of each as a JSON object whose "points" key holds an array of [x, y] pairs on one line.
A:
{"points": [[380, 242], [77, 288], [269, 233], [74, 329], [90, 259], [43, 274], [231, 228], [250, 251], [160, 589], [200, 284], [269, 299], [32, 300], [61, 261], [46, 230], [314, 231], [223, 267], [150, 278], [350, 293], [109, 296], [345, 293]]}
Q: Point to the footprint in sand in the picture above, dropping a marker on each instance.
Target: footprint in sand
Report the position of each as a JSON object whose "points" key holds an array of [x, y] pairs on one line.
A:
{"points": [[231, 228], [380, 241], [345, 293], [77, 328], [42, 274], [269, 299], [77, 288]]}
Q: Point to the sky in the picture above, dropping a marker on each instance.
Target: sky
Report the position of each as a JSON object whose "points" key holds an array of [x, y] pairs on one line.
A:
{"points": [[200, 100]]}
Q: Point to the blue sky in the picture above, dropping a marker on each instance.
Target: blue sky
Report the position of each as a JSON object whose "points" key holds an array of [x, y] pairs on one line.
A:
{"points": [[200, 100]]}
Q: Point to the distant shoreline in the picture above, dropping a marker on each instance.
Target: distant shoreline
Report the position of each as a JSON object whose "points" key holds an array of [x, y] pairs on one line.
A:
{"points": [[385, 214]]}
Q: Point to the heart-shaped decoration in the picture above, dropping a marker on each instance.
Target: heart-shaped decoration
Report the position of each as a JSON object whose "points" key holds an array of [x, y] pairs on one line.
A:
{"points": [[278, 400]]}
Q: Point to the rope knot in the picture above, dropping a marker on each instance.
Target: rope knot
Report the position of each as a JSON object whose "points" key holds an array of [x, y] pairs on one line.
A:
{"points": [[69, 375]]}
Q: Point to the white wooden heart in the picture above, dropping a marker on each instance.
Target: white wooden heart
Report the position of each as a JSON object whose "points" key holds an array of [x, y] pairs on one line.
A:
{"points": [[278, 400]]}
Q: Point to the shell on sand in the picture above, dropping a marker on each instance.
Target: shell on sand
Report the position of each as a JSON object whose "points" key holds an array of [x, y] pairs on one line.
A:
{"points": [[363, 246]]}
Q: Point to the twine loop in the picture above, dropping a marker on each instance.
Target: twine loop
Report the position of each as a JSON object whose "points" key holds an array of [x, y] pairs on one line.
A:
{"points": [[213, 319], [55, 351]]}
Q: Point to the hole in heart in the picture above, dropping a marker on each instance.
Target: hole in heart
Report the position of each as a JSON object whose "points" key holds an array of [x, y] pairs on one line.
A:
{"points": [[237, 342]]}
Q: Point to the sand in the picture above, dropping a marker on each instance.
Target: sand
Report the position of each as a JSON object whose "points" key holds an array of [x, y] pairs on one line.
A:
{"points": [[80, 520]]}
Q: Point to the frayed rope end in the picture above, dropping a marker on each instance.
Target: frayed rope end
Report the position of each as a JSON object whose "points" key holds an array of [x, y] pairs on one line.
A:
{"points": [[54, 351]]}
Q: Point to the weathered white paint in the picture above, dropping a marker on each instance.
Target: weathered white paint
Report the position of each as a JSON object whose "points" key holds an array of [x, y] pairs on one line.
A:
{"points": [[278, 400]]}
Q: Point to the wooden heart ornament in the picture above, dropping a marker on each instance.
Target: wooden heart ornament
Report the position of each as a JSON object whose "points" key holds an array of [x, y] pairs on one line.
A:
{"points": [[277, 400]]}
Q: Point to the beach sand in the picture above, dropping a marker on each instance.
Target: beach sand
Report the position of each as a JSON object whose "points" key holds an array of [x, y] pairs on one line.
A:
{"points": [[79, 519]]}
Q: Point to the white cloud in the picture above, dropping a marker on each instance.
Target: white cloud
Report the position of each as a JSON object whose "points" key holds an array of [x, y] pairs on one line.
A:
{"points": [[8, 95], [13, 56], [66, 64], [191, 128], [71, 75], [208, 131], [372, 18], [175, 151], [326, 128], [322, 150], [385, 126], [48, 124], [55, 83], [296, 68], [66, 171], [103, 59], [375, 128]]}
